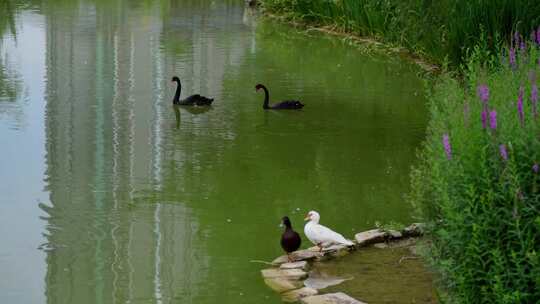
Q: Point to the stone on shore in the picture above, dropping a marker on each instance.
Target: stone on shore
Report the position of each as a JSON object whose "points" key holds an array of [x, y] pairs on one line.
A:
{"points": [[300, 255], [330, 251], [295, 265], [282, 284], [415, 229], [370, 237], [331, 298], [291, 274], [394, 234], [295, 295]]}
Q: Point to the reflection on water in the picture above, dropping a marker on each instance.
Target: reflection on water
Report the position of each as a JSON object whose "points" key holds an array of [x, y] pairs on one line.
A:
{"points": [[194, 110], [10, 83], [146, 204]]}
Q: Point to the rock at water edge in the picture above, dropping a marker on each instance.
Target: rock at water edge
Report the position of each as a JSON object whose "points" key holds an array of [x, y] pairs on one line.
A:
{"points": [[295, 265], [369, 237], [331, 298], [291, 274], [300, 255], [394, 234], [282, 284], [295, 295], [415, 229]]}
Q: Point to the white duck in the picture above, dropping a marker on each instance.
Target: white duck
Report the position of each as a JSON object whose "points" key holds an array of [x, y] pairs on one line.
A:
{"points": [[321, 235]]}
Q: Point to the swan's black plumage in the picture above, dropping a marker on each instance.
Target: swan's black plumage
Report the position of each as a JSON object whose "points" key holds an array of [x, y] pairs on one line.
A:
{"points": [[283, 105], [290, 239], [193, 100]]}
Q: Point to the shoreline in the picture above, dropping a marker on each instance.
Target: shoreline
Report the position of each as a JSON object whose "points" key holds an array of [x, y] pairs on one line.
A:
{"points": [[423, 63]]}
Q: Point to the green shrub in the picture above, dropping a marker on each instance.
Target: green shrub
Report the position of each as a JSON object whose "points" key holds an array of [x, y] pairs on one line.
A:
{"points": [[439, 29], [478, 181]]}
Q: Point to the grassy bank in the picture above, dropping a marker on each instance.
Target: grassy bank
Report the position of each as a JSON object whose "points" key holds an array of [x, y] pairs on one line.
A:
{"points": [[479, 182], [438, 30]]}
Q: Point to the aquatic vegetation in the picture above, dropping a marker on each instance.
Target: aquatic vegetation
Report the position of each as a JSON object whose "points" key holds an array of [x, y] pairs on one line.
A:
{"points": [[442, 30], [483, 203]]}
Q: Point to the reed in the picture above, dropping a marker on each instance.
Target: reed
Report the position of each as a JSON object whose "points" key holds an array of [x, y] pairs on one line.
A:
{"points": [[443, 30]]}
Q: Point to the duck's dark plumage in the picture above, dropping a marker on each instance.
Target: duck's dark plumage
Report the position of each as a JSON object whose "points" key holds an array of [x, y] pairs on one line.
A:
{"points": [[193, 100], [283, 105], [290, 239]]}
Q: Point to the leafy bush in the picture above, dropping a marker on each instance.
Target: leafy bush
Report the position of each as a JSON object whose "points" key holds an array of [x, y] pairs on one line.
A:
{"points": [[478, 181]]}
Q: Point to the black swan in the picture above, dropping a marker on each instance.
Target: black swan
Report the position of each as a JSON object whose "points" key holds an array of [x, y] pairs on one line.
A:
{"points": [[290, 239], [283, 105], [193, 100]]}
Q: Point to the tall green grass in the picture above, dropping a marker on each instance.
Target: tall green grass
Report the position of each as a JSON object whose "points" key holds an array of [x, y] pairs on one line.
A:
{"points": [[441, 30], [478, 181]]}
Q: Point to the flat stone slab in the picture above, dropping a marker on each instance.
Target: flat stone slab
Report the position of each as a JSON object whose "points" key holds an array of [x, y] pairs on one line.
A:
{"points": [[332, 248], [331, 298], [370, 237], [415, 229], [300, 255], [295, 265], [291, 274], [282, 284], [295, 295], [394, 234]]}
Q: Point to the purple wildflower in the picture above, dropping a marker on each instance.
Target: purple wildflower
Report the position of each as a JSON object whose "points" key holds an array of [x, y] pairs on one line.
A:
{"points": [[520, 105], [516, 38], [484, 118], [522, 46], [483, 92], [447, 147], [538, 35], [535, 168], [493, 120], [504, 153], [512, 57]]}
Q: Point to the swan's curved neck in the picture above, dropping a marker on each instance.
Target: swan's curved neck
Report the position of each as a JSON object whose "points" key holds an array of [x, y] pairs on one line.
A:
{"points": [[266, 97], [177, 94]]}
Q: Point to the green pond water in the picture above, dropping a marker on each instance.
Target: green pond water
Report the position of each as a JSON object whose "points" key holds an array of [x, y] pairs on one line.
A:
{"points": [[109, 195]]}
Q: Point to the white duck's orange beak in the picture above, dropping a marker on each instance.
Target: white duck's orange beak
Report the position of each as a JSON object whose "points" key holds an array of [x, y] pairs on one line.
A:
{"points": [[307, 218]]}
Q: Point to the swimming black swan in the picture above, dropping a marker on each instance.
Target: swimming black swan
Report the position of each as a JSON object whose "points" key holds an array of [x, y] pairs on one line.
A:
{"points": [[290, 239], [193, 100], [283, 105]]}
